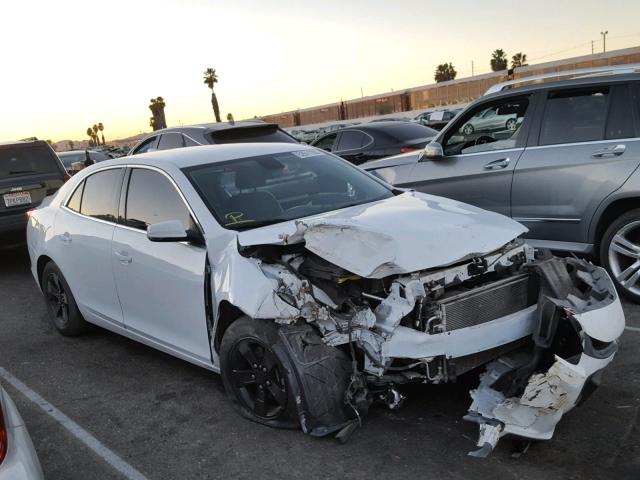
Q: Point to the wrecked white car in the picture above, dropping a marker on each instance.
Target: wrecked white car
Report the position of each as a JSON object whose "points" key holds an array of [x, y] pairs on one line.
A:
{"points": [[315, 289]]}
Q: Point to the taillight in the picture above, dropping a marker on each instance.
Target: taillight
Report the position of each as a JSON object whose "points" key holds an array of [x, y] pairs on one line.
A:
{"points": [[66, 177], [407, 149], [30, 213], [3, 437]]}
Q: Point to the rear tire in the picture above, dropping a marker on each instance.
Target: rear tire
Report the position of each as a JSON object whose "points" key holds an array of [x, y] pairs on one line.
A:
{"points": [[620, 254], [61, 305]]}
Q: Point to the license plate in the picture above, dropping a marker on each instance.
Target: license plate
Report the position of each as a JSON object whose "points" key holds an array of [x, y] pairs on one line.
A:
{"points": [[16, 199]]}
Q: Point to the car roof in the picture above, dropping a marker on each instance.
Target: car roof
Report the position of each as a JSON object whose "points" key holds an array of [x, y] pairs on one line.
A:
{"points": [[18, 143], [212, 127], [583, 81], [380, 125], [204, 154]]}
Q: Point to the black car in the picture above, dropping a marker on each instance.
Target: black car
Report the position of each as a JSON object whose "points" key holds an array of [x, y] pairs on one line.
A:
{"points": [[29, 171], [211, 134], [370, 141]]}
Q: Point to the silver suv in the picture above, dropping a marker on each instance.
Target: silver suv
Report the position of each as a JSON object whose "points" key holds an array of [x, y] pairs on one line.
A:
{"points": [[560, 157]]}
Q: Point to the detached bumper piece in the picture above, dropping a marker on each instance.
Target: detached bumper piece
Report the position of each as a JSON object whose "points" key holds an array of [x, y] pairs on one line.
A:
{"points": [[527, 392]]}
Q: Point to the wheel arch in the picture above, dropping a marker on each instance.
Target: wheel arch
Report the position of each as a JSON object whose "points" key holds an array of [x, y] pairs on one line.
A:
{"points": [[227, 314], [612, 211], [41, 263]]}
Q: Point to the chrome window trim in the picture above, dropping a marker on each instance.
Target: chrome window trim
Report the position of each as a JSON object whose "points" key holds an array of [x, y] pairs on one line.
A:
{"points": [[547, 219], [147, 167], [590, 142], [486, 152]]}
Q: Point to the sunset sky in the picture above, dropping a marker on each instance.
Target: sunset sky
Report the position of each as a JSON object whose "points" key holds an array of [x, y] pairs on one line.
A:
{"points": [[68, 64]]}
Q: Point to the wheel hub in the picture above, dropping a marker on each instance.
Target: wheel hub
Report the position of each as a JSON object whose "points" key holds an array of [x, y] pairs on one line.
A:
{"points": [[624, 257]]}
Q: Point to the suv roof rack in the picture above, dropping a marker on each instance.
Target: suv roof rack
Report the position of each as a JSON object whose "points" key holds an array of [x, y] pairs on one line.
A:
{"points": [[577, 73]]}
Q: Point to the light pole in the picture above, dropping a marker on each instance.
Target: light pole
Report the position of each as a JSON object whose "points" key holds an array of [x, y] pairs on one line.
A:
{"points": [[604, 40]]}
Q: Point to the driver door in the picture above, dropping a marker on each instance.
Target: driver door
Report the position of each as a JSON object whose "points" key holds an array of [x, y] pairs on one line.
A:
{"points": [[478, 163]]}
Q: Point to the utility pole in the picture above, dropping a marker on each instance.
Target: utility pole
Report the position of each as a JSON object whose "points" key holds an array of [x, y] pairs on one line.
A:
{"points": [[591, 47], [361, 93], [604, 40], [472, 68]]}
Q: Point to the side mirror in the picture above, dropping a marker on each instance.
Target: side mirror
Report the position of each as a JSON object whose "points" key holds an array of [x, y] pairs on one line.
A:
{"points": [[169, 231], [433, 151]]}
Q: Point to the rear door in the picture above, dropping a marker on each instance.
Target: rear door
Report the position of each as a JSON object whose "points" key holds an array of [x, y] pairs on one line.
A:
{"points": [[351, 145], [478, 162], [83, 232], [160, 285], [583, 148], [28, 173]]}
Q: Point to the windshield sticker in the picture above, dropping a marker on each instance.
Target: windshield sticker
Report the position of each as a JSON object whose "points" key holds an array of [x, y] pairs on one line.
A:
{"points": [[307, 153], [236, 217]]}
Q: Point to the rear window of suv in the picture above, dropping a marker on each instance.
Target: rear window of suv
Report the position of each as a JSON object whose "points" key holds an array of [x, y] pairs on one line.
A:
{"points": [[258, 134], [26, 160]]}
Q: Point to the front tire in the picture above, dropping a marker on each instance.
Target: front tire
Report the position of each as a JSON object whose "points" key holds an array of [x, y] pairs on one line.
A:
{"points": [[253, 375], [620, 254], [61, 304]]}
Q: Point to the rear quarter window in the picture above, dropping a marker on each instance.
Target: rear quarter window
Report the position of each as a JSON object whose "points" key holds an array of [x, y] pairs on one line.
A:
{"points": [[27, 160]]}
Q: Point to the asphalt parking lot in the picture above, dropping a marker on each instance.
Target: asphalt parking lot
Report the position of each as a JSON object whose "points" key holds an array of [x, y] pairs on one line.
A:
{"points": [[169, 419]]}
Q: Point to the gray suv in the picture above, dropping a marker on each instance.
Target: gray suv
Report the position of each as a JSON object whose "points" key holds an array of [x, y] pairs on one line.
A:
{"points": [[560, 157]]}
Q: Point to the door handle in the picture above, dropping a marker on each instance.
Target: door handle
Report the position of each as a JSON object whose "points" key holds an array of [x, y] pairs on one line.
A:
{"points": [[497, 164], [65, 238], [615, 151], [123, 257]]}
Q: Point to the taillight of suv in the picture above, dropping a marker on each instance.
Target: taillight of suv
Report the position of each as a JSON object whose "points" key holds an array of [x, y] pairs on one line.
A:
{"points": [[4, 437]]}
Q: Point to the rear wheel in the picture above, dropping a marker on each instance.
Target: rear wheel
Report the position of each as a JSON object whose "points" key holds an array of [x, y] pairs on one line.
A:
{"points": [[511, 124], [620, 254], [61, 305], [467, 129]]}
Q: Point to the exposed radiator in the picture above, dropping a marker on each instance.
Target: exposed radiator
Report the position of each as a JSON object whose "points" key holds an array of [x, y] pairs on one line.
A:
{"points": [[488, 302]]}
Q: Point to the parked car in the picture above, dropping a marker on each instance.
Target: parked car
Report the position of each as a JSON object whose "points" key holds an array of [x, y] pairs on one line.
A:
{"points": [[436, 119], [375, 140], [390, 119], [18, 457], [212, 133], [29, 171], [76, 160], [562, 159], [315, 288]]}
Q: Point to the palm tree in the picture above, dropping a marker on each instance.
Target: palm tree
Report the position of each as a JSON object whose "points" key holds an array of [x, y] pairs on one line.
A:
{"points": [[519, 60], [90, 133], [157, 109], [96, 141], [445, 72], [498, 60], [71, 144], [101, 128], [210, 79]]}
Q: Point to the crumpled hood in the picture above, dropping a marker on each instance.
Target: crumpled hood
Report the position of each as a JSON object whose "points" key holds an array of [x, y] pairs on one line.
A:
{"points": [[410, 232]]}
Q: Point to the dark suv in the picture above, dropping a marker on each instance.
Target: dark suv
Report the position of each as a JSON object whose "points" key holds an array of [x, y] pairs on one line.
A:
{"points": [[252, 131], [29, 171], [561, 157]]}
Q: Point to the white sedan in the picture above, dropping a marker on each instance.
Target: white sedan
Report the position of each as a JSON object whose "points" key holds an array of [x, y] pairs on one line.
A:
{"points": [[315, 289]]}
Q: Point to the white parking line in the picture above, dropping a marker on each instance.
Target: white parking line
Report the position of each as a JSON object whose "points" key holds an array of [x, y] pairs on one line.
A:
{"points": [[76, 430], [633, 329]]}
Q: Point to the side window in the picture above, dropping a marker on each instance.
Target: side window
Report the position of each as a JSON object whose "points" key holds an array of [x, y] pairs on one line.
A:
{"points": [[572, 116], [190, 143], [620, 123], [170, 140], [495, 126], [74, 201], [351, 140], [152, 198], [99, 199], [327, 142], [147, 146]]}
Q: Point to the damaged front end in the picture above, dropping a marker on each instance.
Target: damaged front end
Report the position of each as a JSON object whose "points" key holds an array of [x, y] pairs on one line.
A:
{"points": [[544, 327]]}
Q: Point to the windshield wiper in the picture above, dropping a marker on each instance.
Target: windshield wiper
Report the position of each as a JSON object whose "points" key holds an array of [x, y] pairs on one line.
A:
{"points": [[247, 224]]}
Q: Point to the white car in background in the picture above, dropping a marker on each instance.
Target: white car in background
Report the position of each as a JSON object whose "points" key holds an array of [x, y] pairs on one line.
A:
{"points": [[18, 458], [315, 288]]}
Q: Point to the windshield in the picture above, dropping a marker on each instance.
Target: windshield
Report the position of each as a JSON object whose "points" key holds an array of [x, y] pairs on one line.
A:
{"points": [[256, 191], [254, 134]]}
